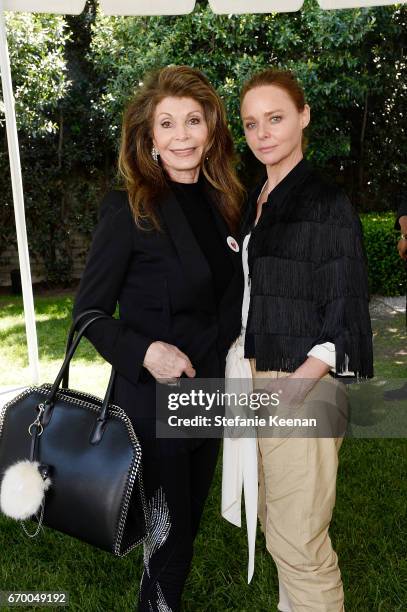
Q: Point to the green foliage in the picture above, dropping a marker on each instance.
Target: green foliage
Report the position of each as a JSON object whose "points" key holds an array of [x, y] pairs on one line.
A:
{"points": [[387, 272], [368, 527], [350, 63], [73, 75], [63, 160], [38, 66]]}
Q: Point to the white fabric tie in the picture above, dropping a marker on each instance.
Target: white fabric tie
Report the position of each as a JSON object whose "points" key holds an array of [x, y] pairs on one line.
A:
{"points": [[239, 471]]}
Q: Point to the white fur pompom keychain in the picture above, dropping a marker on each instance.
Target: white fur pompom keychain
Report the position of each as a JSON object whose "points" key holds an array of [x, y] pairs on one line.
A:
{"points": [[23, 489]]}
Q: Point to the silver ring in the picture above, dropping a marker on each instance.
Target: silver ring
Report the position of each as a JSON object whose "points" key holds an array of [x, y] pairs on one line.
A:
{"points": [[37, 424], [170, 382]]}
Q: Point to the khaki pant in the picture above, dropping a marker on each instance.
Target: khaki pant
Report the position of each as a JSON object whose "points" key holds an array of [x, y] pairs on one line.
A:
{"points": [[297, 488]]}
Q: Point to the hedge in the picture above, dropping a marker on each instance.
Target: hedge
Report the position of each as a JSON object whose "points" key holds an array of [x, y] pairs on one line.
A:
{"points": [[387, 272]]}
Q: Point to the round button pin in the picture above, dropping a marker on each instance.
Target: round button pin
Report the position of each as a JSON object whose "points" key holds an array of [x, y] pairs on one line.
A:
{"points": [[232, 244]]}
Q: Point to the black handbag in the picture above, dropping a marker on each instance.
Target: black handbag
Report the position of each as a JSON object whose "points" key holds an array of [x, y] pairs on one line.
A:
{"points": [[88, 450]]}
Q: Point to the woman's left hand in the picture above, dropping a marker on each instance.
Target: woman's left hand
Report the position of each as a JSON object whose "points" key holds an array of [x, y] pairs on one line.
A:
{"points": [[293, 389]]}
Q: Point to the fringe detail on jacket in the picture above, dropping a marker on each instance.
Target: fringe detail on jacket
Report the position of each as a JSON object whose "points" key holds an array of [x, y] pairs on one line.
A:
{"points": [[309, 281]]}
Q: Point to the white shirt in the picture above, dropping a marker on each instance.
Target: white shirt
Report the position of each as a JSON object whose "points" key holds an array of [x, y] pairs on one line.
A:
{"points": [[239, 470], [325, 352]]}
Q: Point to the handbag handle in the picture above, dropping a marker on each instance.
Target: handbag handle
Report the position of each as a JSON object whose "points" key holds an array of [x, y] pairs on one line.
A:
{"points": [[65, 380], [72, 345]]}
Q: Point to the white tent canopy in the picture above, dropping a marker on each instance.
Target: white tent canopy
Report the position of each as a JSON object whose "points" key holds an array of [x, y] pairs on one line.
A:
{"points": [[109, 7], [180, 7]]}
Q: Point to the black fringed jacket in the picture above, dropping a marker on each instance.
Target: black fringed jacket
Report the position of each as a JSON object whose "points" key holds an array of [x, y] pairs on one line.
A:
{"points": [[308, 276]]}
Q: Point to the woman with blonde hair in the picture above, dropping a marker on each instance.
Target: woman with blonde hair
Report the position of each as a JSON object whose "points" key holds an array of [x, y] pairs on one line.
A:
{"points": [[305, 323], [164, 250]]}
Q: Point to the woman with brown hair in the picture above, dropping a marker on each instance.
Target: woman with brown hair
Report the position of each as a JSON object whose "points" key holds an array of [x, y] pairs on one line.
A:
{"points": [[164, 250], [305, 323]]}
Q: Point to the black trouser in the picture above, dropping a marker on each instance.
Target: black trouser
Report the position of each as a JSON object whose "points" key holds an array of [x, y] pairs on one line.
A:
{"points": [[177, 477]]}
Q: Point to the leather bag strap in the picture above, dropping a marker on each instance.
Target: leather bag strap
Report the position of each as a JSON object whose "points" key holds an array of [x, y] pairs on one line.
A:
{"points": [[63, 373], [70, 353], [71, 333], [75, 324]]}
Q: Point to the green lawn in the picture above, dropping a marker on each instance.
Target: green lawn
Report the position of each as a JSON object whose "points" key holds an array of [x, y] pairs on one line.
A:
{"points": [[368, 529]]}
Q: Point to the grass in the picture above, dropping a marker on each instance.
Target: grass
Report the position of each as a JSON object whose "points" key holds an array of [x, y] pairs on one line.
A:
{"points": [[368, 529], [53, 318]]}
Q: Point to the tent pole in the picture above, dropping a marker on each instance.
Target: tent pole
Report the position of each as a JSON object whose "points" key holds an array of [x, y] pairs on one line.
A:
{"points": [[18, 197]]}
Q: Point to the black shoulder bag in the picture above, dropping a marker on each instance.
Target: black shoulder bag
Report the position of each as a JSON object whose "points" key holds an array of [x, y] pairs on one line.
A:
{"points": [[74, 460]]}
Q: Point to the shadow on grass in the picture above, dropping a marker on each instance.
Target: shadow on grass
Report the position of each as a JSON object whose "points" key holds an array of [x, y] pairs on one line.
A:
{"points": [[52, 337], [53, 321], [368, 528], [390, 346]]}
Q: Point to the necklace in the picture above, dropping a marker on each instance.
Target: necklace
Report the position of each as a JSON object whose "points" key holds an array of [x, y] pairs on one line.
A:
{"points": [[260, 194]]}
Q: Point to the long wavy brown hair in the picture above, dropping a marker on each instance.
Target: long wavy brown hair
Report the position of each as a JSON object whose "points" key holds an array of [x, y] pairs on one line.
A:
{"points": [[145, 179]]}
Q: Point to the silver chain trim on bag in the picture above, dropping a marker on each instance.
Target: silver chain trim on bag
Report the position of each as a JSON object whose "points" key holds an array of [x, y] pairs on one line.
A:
{"points": [[91, 402], [11, 402]]}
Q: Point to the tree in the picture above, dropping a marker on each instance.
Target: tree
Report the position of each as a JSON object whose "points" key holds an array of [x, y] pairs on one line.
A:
{"points": [[350, 63], [73, 75], [36, 48]]}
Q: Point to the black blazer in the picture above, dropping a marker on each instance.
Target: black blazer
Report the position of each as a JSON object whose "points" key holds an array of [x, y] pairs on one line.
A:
{"points": [[163, 285]]}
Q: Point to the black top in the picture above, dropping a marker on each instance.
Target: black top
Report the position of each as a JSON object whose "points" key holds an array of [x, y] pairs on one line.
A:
{"points": [[164, 288], [197, 208], [275, 198], [308, 276]]}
